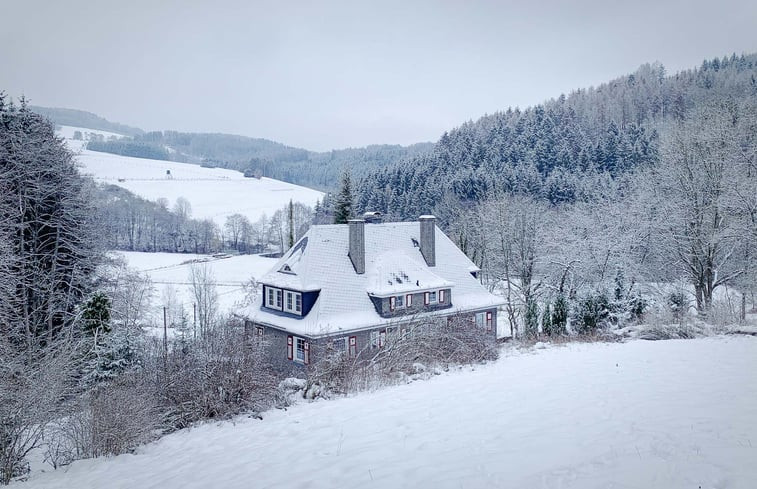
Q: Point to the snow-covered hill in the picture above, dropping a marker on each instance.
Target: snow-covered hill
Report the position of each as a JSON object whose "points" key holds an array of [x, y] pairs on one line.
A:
{"points": [[213, 193], [667, 414]]}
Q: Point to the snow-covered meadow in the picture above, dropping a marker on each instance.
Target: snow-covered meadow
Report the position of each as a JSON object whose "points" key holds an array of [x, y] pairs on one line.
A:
{"points": [[214, 193], [666, 414], [170, 277]]}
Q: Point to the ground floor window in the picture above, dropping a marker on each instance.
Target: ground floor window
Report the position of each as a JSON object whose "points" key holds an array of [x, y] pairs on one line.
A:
{"points": [[485, 320], [339, 344], [480, 319], [298, 349]]}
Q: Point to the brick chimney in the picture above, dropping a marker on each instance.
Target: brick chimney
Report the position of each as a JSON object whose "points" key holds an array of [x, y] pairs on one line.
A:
{"points": [[357, 244], [428, 239]]}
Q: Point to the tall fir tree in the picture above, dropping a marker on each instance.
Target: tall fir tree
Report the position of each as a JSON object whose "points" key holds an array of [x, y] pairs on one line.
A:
{"points": [[344, 202]]}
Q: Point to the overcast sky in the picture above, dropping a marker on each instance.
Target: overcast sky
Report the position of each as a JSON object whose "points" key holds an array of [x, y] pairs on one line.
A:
{"points": [[323, 75]]}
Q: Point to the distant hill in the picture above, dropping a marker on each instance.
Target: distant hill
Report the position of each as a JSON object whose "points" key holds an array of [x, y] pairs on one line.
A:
{"points": [[81, 118], [253, 156], [561, 150]]}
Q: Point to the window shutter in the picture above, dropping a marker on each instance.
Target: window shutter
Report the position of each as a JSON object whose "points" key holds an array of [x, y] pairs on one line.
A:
{"points": [[441, 296], [425, 298], [353, 346], [409, 300], [391, 303], [382, 339], [489, 321], [290, 347], [307, 353]]}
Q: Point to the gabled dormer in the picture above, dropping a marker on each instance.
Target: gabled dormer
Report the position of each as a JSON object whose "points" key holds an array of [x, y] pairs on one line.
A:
{"points": [[287, 301], [399, 285]]}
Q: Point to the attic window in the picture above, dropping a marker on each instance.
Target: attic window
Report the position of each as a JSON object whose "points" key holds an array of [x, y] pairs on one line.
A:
{"points": [[416, 244], [286, 269]]}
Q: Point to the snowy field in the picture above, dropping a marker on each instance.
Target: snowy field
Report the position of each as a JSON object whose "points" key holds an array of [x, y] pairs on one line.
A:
{"points": [[667, 414], [172, 271], [214, 193]]}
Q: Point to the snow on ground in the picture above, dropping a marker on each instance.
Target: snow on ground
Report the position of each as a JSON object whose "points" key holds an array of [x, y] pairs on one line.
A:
{"points": [[67, 132], [214, 193], [667, 414], [172, 270]]}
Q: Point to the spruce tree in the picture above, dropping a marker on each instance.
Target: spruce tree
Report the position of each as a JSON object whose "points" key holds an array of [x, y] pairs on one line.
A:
{"points": [[48, 224], [96, 314], [343, 204]]}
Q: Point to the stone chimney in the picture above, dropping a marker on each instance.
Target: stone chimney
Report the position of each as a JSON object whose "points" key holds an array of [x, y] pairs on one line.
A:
{"points": [[428, 239], [357, 244]]}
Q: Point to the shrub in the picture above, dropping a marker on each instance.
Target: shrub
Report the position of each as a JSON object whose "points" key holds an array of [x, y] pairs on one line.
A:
{"points": [[560, 316], [592, 313], [678, 304], [546, 321], [434, 344], [531, 319]]}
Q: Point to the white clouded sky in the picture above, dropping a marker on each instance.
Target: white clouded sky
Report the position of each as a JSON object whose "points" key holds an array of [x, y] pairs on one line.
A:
{"points": [[323, 75]]}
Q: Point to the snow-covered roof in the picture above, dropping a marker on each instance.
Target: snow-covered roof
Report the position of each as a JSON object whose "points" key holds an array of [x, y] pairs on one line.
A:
{"points": [[393, 264], [393, 272]]}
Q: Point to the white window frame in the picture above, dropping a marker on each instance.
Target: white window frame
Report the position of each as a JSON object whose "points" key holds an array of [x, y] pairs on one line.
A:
{"points": [[273, 298], [293, 302], [300, 350], [433, 297], [399, 302], [480, 319], [375, 339], [339, 344]]}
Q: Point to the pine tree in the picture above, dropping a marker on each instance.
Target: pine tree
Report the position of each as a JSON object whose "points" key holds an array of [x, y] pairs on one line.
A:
{"points": [[96, 315], [343, 205], [48, 223]]}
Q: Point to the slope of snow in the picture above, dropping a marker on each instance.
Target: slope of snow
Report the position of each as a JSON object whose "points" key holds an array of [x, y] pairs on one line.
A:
{"points": [[214, 193], [67, 132], [668, 414], [173, 270]]}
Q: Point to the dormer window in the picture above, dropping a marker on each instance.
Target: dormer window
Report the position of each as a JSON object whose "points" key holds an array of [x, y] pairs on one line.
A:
{"points": [[273, 298], [283, 300], [434, 297], [293, 302]]}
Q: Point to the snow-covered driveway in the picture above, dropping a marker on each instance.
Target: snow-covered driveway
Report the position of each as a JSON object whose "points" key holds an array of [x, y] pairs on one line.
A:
{"points": [[667, 414]]}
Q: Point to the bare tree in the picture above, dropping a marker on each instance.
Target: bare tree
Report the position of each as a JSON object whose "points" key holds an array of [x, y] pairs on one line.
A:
{"points": [[514, 228], [205, 295], [691, 193], [235, 227]]}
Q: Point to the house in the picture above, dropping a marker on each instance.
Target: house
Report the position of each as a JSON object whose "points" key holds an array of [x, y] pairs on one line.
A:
{"points": [[344, 286]]}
